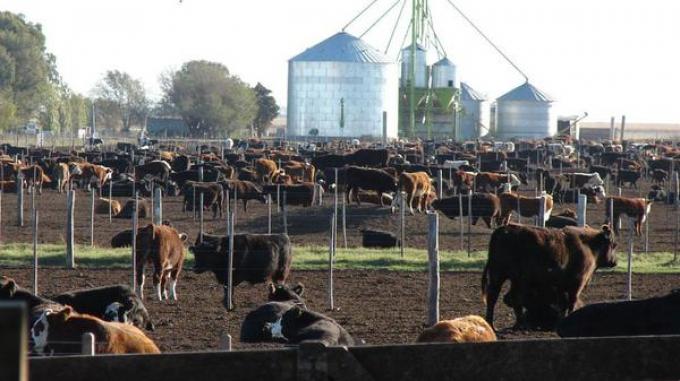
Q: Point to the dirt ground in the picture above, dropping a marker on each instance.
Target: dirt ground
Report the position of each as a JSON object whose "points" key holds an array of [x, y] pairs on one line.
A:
{"points": [[379, 307]]}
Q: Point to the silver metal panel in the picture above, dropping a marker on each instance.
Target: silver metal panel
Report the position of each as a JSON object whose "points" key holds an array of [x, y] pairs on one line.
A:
{"points": [[421, 66], [443, 73], [342, 47], [525, 119], [474, 121], [316, 88]]}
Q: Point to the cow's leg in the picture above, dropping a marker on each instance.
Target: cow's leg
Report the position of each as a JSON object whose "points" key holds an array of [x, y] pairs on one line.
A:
{"points": [[493, 289], [411, 196], [173, 283], [487, 221], [245, 206], [157, 276]]}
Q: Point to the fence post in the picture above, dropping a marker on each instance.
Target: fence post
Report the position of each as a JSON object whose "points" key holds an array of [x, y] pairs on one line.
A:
{"points": [[158, 206], [460, 220], [582, 207], [230, 265], [285, 213], [235, 208], [402, 221], [278, 198], [331, 254], [433, 260], [344, 222], [87, 344], [14, 352], [110, 201], [440, 190], [35, 251], [193, 205], [631, 232], [92, 218], [134, 249], [200, 216], [269, 213], [469, 219], [20, 199], [541, 212], [70, 239], [225, 342]]}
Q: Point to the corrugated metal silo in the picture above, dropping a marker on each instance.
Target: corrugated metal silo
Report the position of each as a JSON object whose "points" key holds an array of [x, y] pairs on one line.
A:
{"points": [[444, 74], [342, 80], [525, 112], [421, 66], [474, 120]]}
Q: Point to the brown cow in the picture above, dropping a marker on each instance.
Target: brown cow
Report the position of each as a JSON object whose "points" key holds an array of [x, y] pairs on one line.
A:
{"points": [[103, 204], [634, 208], [488, 181], [526, 206], [61, 333], [417, 186], [62, 174], [484, 205], [463, 180], [244, 190], [265, 169], [87, 171], [299, 172], [467, 329], [547, 268], [162, 246]]}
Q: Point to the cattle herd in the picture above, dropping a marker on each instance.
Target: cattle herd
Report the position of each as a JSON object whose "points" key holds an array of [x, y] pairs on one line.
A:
{"points": [[547, 267]]}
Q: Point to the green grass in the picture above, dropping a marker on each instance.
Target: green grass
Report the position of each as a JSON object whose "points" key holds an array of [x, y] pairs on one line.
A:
{"points": [[312, 258]]}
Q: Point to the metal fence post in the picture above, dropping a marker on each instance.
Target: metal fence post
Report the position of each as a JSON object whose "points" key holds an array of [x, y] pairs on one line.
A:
{"points": [[582, 207], [433, 268], [230, 265], [87, 344], [285, 213], [70, 239], [92, 218], [631, 232], [35, 251], [269, 213], [331, 254], [402, 221], [541, 211], [20, 199], [158, 206], [460, 219], [134, 248]]}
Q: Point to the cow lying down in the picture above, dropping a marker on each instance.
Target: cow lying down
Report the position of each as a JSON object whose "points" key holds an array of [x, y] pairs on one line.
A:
{"points": [[653, 316], [466, 329], [289, 321]]}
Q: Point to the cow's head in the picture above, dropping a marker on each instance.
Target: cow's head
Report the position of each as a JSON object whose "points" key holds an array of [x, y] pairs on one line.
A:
{"points": [[604, 246], [209, 256], [75, 169], [8, 288], [116, 312], [284, 293], [132, 312]]}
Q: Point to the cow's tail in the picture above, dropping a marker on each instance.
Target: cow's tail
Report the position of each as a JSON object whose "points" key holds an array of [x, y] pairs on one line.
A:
{"points": [[485, 282]]}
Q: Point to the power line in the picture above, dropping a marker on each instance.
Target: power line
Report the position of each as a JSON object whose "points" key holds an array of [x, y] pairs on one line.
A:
{"points": [[488, 40], [380, 18], [396, 24], [359, 15]]}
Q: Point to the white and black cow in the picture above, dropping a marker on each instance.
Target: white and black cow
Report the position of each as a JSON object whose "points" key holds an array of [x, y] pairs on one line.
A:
{"points": [[117, 303]]}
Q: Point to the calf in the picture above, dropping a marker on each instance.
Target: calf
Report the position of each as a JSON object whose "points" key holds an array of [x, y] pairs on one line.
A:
{"points": [[547, 268], [369, 179], [61, 333], [291, 324], [484, 205], [526, 206], [128, 210], [467, 329], [646, 317], [378, 239], [417, 186], [284, 293], [116, 303], [257, 258], [163, 247], [212, 197], [103, 206], [265, 169], [659, 176], [627, 176], [635, 208], [244, 190]]}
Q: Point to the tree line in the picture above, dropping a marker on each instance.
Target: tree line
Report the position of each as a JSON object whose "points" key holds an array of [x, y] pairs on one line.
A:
{"points": [[205, 95]]}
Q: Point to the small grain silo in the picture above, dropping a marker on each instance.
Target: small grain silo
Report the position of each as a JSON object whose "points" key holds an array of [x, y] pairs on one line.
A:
{"points": [[341, 87], [422, 79], [444, 74], [474, 119], [525, 112]]}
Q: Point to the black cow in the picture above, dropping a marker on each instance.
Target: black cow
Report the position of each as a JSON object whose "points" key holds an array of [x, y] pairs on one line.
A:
{"points": [[601, 170], [653, 316], [244, 190], [285, 293], [117, 303], [378, 239], [156, 169], [560, 222], [369, 179], [484, 205], [368, 158], [627, 176], [209, 175], [212, 197], [328, 161], [295, 194], [291, 324], [118, 165], [257, 258]]}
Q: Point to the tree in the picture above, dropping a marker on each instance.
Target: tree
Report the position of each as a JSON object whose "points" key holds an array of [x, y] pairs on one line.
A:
{"points": [[267, 109], [209, 99], [123, 97], [27, 71]]}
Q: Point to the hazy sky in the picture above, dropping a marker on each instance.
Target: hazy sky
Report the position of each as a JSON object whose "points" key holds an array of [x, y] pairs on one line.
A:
{"points": [[606, 57]]}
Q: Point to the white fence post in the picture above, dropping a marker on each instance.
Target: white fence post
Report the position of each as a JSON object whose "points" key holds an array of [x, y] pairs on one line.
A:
{"points": [[70, 239], [433, 268], [158, 206], [582, 207], [87, 343]]}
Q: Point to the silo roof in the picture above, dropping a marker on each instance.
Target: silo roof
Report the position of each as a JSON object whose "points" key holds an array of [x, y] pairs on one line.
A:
{"points": [[444, 62], [526, 92], [418, 47], [342, 47], [467, 93]]}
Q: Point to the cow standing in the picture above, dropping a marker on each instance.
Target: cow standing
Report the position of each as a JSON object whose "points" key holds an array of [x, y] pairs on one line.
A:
{"points": [[163, 247], [546, 267], [526, 206], [486, 206], [417, 186], [369, 179], [635, 208]]}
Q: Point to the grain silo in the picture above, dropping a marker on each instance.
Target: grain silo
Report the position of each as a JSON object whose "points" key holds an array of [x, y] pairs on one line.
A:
{"points": [[444, 74], [421, 66], [525, 112], [474, 119], [340, 87]]}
